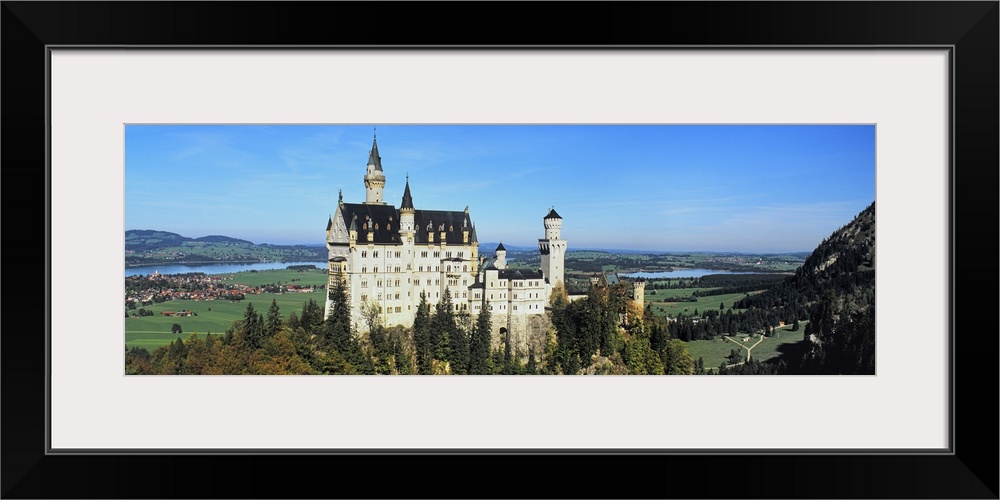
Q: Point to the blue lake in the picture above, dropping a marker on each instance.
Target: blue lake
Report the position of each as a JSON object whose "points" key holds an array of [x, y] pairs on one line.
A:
{"points": [[682, 273], [215, 268]]}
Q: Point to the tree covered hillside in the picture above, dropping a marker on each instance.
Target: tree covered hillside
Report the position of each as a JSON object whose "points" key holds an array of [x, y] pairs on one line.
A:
{"points": [[149, 247], [836, 286]]}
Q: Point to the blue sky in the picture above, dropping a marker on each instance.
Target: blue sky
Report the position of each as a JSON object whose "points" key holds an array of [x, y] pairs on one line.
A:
{"points": [[743, 188]]}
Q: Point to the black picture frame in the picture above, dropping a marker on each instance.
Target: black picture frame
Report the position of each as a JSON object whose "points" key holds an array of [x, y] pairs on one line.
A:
{"points": [[969, 28]]}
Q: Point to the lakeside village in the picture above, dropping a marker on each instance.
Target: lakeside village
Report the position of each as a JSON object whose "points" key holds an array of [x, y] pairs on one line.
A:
{"points": [[148, 289]]}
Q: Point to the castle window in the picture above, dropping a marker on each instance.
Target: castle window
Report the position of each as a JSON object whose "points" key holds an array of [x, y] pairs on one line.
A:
{"points": [[364, 269], [380, 297], [397, 298], [364, 254], [376, 272], [376, 226], [364, 227], [364, 283], [465, 268], [399, 309], [465, 282], [451, 228], [437, 282], [437, 255], [397, 282], [364, 297], [388, 227], [421, 268], [515, 308], [447, 255], [388, 283], [380, 283], [437, 269], [375, 254], [423, 254], [461, 254], [388, 309]]}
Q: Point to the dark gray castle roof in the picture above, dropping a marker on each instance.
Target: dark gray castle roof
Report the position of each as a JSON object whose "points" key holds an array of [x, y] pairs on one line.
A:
{"points": [[373, 157], [407, 199], [451, 222], [519, 274], [500, 247], [552, 214], [383, 221]]}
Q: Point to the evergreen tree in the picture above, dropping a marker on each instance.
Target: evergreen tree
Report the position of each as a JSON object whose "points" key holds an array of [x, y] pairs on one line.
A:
{"points": [[479, 345], [343, 348], [422, 337], [293, 321], [459, 343], [508, 356], [443, 327], [273, 319], [312, 316], [253, 327], [676, 359]]}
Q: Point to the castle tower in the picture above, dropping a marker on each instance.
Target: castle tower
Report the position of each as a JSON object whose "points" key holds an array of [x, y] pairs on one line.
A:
{"points": [[374, 178], [553, 250], [639, 292], [501, 257], [406, 213]]}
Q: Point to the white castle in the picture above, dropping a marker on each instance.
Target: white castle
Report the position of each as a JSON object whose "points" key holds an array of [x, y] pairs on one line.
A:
{"points": [[390, 256]]}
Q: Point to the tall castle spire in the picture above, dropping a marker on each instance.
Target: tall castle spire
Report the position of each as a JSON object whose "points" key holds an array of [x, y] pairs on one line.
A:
{"points": [[407, 199], [407, 226], [374, 178], [374, 159]]}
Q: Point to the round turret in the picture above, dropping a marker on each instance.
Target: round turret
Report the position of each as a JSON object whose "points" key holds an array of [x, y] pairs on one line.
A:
{"points": [[553, 225]]}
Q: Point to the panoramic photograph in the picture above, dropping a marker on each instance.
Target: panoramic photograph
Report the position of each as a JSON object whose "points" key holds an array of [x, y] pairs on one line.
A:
{"points": [[381, 249]]}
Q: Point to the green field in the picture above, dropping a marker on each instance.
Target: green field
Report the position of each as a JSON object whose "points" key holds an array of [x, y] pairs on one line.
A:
{"points": [[284, 276], [710, 302], [714, 352], [216, 316]]}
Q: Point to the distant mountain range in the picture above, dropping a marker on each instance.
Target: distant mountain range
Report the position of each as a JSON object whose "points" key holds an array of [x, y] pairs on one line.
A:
{"points": [[147, 247], [149, 239]]}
